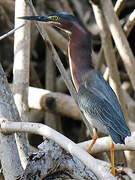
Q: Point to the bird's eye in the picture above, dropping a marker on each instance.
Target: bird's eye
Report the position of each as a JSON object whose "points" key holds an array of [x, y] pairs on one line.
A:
{"points": [[54, 17]]}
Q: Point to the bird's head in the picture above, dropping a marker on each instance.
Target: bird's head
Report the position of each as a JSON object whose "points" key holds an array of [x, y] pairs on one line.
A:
{"points": [[63, 20]]}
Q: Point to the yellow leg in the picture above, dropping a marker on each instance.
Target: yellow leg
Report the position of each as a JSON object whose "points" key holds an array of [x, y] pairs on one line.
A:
{"points": [[112, 158], [93, 140]]}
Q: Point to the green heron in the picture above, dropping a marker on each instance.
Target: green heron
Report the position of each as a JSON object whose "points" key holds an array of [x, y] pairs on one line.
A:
{"points": [[96, 99]]}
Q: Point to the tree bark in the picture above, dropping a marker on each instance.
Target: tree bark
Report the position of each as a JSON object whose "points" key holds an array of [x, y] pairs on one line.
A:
{"points": [[9, 156]]}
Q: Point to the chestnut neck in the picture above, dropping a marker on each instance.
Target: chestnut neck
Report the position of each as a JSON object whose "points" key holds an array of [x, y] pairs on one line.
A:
{"points": [[80, 55]]}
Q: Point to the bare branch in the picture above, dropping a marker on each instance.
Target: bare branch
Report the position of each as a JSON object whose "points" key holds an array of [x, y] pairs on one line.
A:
{"points": [[118, 6], [9, 156], [103, 145], [64, 142], [54, 102], [10, 32], [21, 73], [46, 164], [130, 23]]}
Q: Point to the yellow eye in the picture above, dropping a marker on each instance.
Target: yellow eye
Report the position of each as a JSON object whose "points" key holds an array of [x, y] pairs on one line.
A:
{"points": [[54, 17]]}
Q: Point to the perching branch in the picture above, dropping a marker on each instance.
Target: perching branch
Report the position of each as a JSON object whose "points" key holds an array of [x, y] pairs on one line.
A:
{"points": [[103, 145], [64, 142]]}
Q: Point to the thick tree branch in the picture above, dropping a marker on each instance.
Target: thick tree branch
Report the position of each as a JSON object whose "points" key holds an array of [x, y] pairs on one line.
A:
{"points": [[53, 102], [64, 142], [9, 157], [61, 103], [21, 74], [46, 164]]}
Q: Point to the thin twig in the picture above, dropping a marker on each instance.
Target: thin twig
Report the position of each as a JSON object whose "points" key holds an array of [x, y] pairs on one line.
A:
{"points": [[11, 32]]}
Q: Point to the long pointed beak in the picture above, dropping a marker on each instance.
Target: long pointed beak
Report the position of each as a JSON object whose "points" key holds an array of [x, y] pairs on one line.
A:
{"points": [[43, 19]]}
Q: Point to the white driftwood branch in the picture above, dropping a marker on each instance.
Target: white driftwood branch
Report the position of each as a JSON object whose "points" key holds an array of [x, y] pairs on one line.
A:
{"points": [[21, 59], [56, 102], [61, 103], [21, 73], [46, 164], [64, 142], [103, 145]]}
